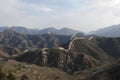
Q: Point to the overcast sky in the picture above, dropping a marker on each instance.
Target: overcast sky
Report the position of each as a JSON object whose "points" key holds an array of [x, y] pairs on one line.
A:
{"points": [[83, 15]]}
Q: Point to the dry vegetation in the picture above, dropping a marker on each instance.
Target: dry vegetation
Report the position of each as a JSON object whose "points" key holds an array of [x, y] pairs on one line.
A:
{"points": [[34, 72]]}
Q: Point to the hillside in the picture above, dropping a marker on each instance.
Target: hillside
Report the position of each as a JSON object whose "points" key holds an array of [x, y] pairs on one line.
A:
{"points": [[81, 54], [18, 40], [75, 57], [107, 73], [90, 48], [110, 31], [33, 72], [14, 39], [10, 50], [65, 60], [110, 45]]}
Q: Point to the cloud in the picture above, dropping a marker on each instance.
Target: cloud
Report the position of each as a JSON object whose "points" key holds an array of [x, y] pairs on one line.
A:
{"points": [[11, 6], [84, 15], [93, 14], [15, 12], [34, 7]]}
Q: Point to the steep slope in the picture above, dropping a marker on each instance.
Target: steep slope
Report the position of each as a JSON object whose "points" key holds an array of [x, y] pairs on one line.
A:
{"points": [[37, 41], [3, 55], [69, 61], [10, 50], [51, 39], [89, 47], [111, 31], [108, 73], [18, 40], [48, 40], [45, 57], [82, 53], [63, 39], [110, 45], [14, 39]]}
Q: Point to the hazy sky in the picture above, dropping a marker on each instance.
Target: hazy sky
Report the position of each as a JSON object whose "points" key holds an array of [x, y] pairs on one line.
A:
{"points": [[83, 15]]}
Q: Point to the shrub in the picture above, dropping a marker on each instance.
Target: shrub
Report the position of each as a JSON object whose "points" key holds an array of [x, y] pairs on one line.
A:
{"points": [[24, 77], [10, 77]]}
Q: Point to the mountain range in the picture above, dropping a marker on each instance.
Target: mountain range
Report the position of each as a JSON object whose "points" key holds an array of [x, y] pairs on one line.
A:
{"points": [[110, 31], [63, 31], [15, 39], [49, 55], [81, 58]]}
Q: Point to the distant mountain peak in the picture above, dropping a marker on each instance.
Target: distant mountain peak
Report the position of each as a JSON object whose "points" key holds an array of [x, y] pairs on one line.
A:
{"points": [[20, 29], [50, 28], [9, 31], [65, 28], [17, 27], [110, 31]]}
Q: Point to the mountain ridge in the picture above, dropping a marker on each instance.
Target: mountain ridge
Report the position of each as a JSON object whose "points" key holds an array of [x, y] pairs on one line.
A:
{"points": [[110, 31], [24, 30]]}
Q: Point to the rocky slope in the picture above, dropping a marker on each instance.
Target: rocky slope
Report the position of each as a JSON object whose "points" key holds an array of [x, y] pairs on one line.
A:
{"points": [[82, 54], [78, 56], [59, 58], [89, 47], [108, 73], [18, 40], [110, 45], [14, 39]]}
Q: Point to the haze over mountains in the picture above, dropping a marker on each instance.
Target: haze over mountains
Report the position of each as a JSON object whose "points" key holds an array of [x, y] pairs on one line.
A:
{"points": [[63, 31], [111, 31]]}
